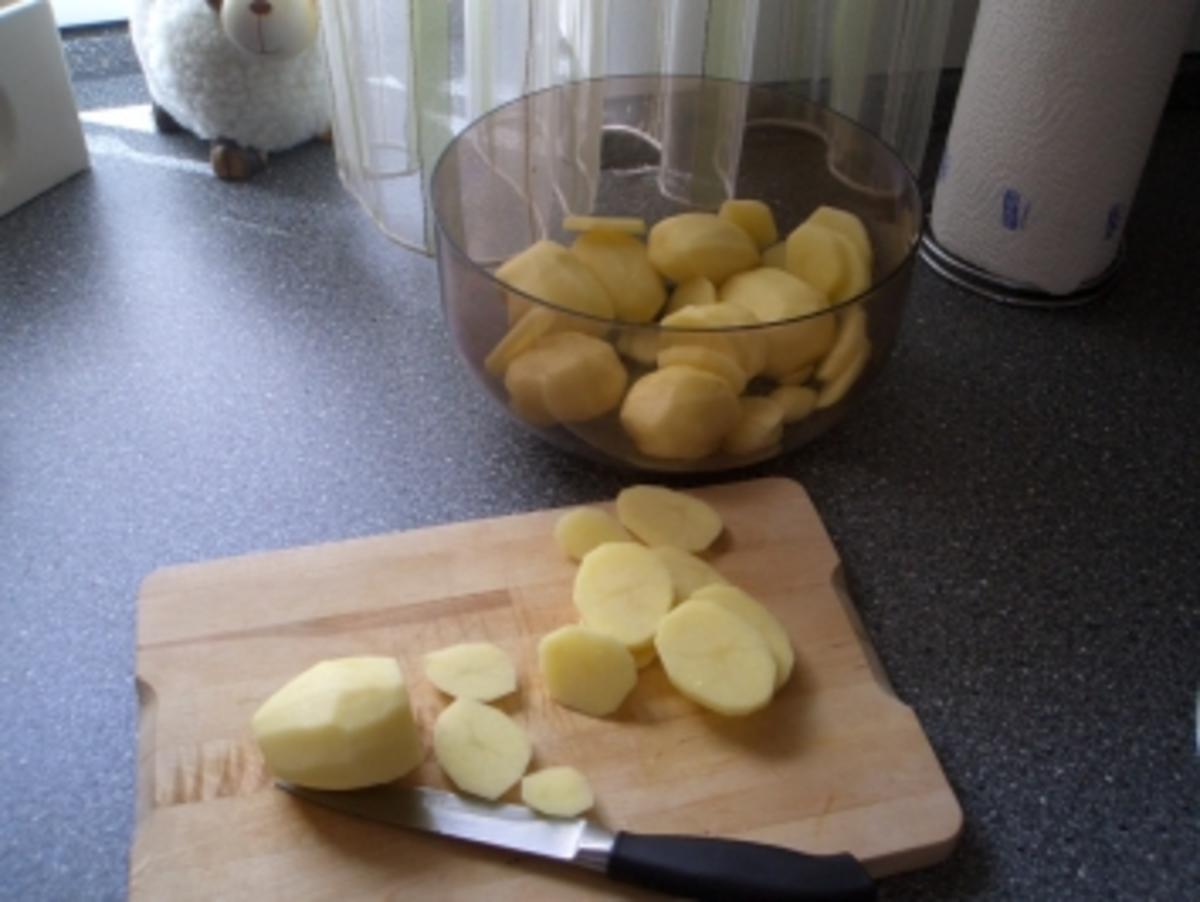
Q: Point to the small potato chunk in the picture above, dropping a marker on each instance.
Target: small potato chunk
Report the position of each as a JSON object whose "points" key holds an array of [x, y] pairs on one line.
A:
{"points": [[697, 292], [585, 670], [623, 590], [775, 256], [754, 217], [481, 749], [549, 272], [716, 658], [661, 516], [557, 792], [719, 327], [688, 572], [848, 226], [758, 616], [688, 245], [628, 225], [851, 336], [759, 427], [623, 267], [815, 254], [580, 530], [567, 377], [342, 724], [797, 401], [775, 296], [705, 359], [679, 413], [478, 670]]}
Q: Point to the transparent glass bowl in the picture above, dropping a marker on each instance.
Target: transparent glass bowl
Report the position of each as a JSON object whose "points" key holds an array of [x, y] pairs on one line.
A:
{"points": [[652, 147]]}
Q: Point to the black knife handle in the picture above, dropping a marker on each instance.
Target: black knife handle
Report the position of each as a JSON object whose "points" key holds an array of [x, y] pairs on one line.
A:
{"points": [[699, 868]]}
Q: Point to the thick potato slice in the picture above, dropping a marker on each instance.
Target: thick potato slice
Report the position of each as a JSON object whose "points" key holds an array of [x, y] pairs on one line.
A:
{"points": [[342, 724], [759, 427], [776, 255], [857, 278], [662, 516], [481, 749], [719, 327], [566, 377], [585, 670], [688, 245], [688, 572], [478, 670], [580, 530], [816, 255], [628, 225], [754, 217], [851, 336], [679, 413], [848, 226], [775, 296], [715, 658], [639, 345], [796, 401], [557, 791], [623, 590], [758, 616], [623, 268], [706, 359], [548, 271], [697, 292], [833, 391]]}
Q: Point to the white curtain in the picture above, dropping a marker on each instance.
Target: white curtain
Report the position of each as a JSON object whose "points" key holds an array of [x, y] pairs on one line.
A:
{"points": [[409, 74]]}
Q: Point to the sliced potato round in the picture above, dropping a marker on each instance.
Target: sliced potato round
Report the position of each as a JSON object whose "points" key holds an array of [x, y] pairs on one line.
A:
{"points": [[520, 338], [815, 255], [688, 572], [706, 359], [848, 226], [688, 245], [481, 749], [342, 724], [679, 413], [796, 401], [754, 217], [628, 225], [557, 791], [623, 268], [662, 516], [857, 274], [623, 590], [836, 389], [758, 616], [548, 271], [569, 376], [716, 658], [717, 326], [639, 345], [759, 427], [774, 296], [580, 530], [478, 670], [851, 336], [586, 670], [697, 292]]}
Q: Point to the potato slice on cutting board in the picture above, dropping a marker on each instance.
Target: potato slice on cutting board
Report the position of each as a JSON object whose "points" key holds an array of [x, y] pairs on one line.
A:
{"points": [[688, 572], [478, 670], [688, 245], [557, 792], [662, 516], [585, 670], [715, 658], [754, 217], [481, 749], [758, 616], [580, 530], [623, 590], [342, 724]]}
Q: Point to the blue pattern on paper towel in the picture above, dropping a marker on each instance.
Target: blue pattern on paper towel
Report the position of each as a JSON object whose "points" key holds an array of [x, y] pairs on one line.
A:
{"points": [[1014, 211], [1112, 223]]}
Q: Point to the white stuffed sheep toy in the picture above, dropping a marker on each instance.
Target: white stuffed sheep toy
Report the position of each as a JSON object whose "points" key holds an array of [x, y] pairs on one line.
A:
{"points": [[247, 75]]}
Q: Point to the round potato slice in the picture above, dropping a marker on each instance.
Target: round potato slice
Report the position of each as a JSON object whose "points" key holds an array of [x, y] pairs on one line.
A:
{"points": [[623, 268], [557, 792], [568, 376], [814, 253], [857, 278], [758, 616], [851, 336], [639, 345], [629, 225], [481, 749], [524, 333], [754, 217], [706, 359], [679, 413], [760, 426], [848, 226], [580, 530], [548, 271], [797, 401], [697, 292], [688, 245], [832, 392], [585, 670], [478, 670], [688, 572], [662, 516], [718, 327], [716, 658], [774, 296], [623, 590]]}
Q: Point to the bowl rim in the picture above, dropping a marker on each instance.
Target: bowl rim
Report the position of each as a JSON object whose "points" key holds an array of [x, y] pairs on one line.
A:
{"points": [[443, 234]]}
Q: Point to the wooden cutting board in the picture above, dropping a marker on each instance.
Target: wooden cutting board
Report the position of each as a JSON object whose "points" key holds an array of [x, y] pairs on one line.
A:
{"points": [[836, 762]]}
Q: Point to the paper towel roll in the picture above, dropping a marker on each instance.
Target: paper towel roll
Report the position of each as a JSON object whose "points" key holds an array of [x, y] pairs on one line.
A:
{"points": [[1054, 119]]}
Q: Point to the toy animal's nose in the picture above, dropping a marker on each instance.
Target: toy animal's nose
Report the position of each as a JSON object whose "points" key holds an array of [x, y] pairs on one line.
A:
{"points": [[260, 7]]}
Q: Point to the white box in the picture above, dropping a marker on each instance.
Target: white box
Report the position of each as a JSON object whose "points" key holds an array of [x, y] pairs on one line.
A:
{"points": [[41, 140]]}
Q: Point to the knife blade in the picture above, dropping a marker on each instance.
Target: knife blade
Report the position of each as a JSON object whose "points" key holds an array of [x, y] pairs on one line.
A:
{"points": [[697, 867]]}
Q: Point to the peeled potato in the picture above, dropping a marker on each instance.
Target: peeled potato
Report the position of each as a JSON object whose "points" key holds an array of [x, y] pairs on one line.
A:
{"points": [[478, 670], [557, 791], [623, 267], [679, 413], [580, 530], [796, 401], [623, 590], [716, 658], [706, 359], [814, 253], [549, 272], [341, 724], [832, 392], [688, 572], [754, 217], [719, 327], [661, 516], [758, 616], [585, 670], [481, 749], [774, 296], [760, 426], [688, 245], [566, 377], [628, 225], [776, 255], [851, 336], [848, 226], [697, 292]]}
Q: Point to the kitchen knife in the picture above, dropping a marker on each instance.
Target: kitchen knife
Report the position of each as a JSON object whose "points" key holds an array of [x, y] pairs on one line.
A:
{"points": [[696, 867]]}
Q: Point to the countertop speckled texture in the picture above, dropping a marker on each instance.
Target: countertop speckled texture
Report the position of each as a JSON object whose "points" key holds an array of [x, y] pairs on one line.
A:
{"points": [[190, 369]]}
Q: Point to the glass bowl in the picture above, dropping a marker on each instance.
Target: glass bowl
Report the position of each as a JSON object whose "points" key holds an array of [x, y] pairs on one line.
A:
{"points": [[652, 147]]}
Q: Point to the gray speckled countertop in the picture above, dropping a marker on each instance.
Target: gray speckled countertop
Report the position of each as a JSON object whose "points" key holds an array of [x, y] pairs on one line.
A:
{"points": [[191, 369]]}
